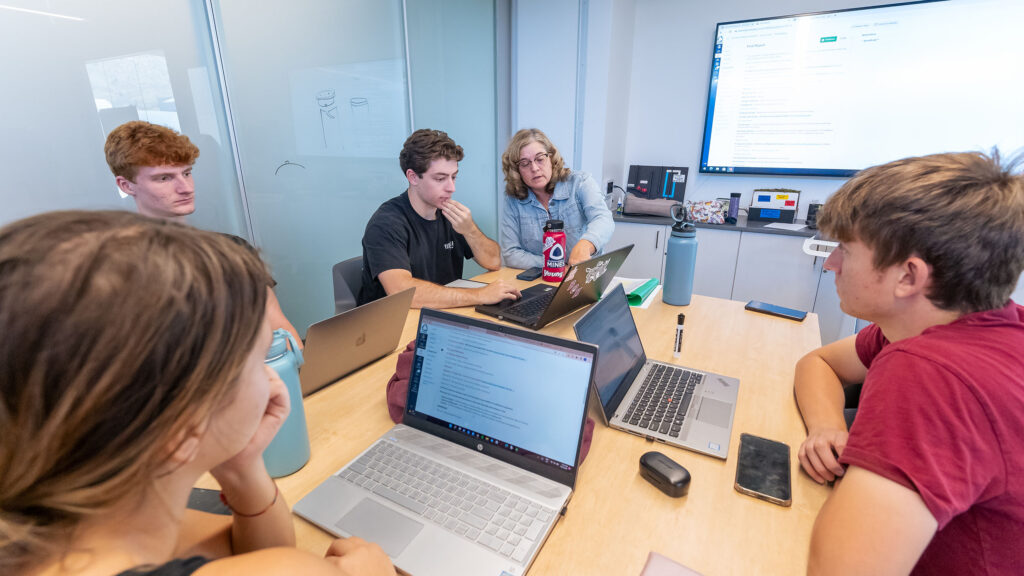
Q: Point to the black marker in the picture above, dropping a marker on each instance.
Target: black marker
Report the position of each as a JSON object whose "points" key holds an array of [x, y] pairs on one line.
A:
{"points": [[679, 335]]}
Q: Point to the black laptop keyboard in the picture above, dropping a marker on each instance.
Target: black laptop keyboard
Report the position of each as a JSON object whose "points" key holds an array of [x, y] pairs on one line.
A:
{"points": [[663, 399], [533, 307]]}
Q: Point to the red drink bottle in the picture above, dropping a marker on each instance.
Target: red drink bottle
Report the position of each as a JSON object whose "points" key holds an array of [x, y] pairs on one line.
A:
{"points": [[554, 251]]}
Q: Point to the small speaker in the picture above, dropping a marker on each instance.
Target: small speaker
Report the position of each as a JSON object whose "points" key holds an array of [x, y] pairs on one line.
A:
{"points": [[812, 216]]}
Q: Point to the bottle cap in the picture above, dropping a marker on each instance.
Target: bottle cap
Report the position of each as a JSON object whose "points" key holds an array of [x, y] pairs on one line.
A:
{"points": [[681, 319], [553, 225], [687, 229]]}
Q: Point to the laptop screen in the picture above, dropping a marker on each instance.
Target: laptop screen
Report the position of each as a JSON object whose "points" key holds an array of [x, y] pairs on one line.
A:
{"points": [[609, 324], [524, 394]]}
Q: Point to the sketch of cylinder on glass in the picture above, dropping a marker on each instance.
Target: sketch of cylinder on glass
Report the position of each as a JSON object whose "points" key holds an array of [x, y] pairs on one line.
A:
{"points": [[330, 127], [359, 108]]}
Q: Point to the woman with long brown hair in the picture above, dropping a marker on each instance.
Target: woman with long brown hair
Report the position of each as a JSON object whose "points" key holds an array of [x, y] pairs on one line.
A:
{"points": [[131, 363]]}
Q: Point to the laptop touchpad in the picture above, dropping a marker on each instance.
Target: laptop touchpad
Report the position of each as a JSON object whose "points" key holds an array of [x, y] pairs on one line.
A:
{"points": [[714, 412], [380, 524]]}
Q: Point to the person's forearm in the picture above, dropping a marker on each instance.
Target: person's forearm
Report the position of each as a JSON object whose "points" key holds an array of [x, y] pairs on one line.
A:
{"points": [[599, 229], [819, 394], [599, 222], [485, 251], [516, 257], [261, 517], [430, 295]]}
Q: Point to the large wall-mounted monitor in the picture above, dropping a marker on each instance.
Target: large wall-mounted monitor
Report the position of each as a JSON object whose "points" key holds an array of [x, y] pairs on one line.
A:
{"points": [[830, 93]]}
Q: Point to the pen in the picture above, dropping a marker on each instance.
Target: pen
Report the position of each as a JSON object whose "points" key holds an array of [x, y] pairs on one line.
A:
{"points": [[679, 335]]}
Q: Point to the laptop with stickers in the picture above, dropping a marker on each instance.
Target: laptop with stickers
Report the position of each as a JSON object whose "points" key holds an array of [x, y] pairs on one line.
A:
{"points": [[583, 284]]}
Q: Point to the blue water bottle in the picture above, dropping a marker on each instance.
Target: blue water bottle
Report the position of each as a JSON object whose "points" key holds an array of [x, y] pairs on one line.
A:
{"points": [[289, 450], [680, 260]]}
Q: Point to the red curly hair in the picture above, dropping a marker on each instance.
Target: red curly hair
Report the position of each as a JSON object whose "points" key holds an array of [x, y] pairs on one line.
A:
{"points": [[135, 144]]}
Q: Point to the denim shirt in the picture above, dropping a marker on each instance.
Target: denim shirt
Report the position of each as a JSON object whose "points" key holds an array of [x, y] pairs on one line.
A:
{"points": [[577, 202]]}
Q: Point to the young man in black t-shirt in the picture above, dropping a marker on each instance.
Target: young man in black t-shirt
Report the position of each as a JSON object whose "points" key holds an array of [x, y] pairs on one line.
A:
{"points": [[422, 237]]}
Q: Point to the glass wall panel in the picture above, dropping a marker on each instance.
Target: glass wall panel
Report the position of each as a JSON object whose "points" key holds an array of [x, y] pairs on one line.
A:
{"points": [[74, 70], [452, 69], [319, 98]]}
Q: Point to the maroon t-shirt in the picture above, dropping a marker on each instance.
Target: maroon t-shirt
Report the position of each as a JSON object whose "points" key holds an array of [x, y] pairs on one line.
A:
{"points": [[942, 413]]}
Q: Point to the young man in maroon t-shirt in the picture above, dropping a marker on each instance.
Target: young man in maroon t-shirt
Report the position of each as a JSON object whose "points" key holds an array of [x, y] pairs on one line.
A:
{"points": [[932, 470]]}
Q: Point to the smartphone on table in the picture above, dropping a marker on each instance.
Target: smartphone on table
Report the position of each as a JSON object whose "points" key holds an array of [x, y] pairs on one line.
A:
{"points": [[773, 310], [763, 470], [530, 273]]}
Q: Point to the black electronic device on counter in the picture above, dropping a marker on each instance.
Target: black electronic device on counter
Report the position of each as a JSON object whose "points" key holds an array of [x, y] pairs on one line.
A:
{"points": [[812, 215], [657, 182], [667, 475]]}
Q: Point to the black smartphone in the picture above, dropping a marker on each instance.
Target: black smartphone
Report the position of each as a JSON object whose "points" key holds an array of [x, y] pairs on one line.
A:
{"points": [[773, 310], [530, 274], [206, 500], [763, 470]]}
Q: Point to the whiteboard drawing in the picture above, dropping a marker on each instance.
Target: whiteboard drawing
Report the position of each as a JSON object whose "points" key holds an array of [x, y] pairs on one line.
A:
{"points": [[355, 110], [328, 115]]}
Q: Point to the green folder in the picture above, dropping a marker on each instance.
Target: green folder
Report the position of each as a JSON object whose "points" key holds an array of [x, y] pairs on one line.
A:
{"points": [[637, 296]]}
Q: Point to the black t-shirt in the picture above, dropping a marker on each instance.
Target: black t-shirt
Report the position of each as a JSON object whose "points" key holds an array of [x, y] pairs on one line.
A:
{"points": [[396, 237]]}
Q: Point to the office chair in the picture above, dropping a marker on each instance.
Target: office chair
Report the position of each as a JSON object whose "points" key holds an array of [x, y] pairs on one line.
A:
{"points": [[348, 279]]}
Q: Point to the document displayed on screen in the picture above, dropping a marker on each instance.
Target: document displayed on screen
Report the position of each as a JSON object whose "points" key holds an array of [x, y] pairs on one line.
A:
{"points": [[850, 89], [524, 392]]}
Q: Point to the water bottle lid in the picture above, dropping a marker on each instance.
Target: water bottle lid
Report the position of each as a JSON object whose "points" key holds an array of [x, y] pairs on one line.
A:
{"points": [[685, 229], [553, 225], [279, 346]]}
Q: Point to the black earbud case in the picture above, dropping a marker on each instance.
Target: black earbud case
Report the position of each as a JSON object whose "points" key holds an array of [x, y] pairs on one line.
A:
{"points": [[665, 473]]}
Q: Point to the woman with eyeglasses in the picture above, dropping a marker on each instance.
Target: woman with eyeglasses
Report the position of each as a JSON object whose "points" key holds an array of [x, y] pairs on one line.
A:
{"points": [[539, 187], [132, 363]]}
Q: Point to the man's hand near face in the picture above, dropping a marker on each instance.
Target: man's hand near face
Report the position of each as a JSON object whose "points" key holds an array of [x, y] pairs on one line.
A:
{"points": [[459, 216]]}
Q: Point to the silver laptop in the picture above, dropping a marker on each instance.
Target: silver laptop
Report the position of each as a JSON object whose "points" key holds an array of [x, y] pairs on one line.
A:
{"points": [[664, 402], [344, 343], [485, 461]]}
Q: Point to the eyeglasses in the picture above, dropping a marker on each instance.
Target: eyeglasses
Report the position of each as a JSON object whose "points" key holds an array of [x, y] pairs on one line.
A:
{"points": [[540, 159]]}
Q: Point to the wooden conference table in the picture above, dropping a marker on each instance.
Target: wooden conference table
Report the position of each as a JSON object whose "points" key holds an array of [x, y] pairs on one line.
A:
{"points": [[616, 517]]}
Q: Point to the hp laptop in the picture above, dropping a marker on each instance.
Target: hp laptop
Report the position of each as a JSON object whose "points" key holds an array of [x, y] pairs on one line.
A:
{"points": [[485, 461], [675, 405], [346, 342], [542, 303]]}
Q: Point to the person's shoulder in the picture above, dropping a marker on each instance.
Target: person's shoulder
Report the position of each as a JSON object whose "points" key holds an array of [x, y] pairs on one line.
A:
{"points": [[391, 209], [283, 560], [578, 178]]}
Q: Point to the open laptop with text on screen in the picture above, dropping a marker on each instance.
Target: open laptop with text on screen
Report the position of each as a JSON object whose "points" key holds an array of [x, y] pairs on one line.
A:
{"points": [[348, 341], [680, 406], [485, 461], [541, 304]]}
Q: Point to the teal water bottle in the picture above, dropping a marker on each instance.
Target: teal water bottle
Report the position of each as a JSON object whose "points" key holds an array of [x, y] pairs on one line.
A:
{"points": [[680, 260], [289, 450]]}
